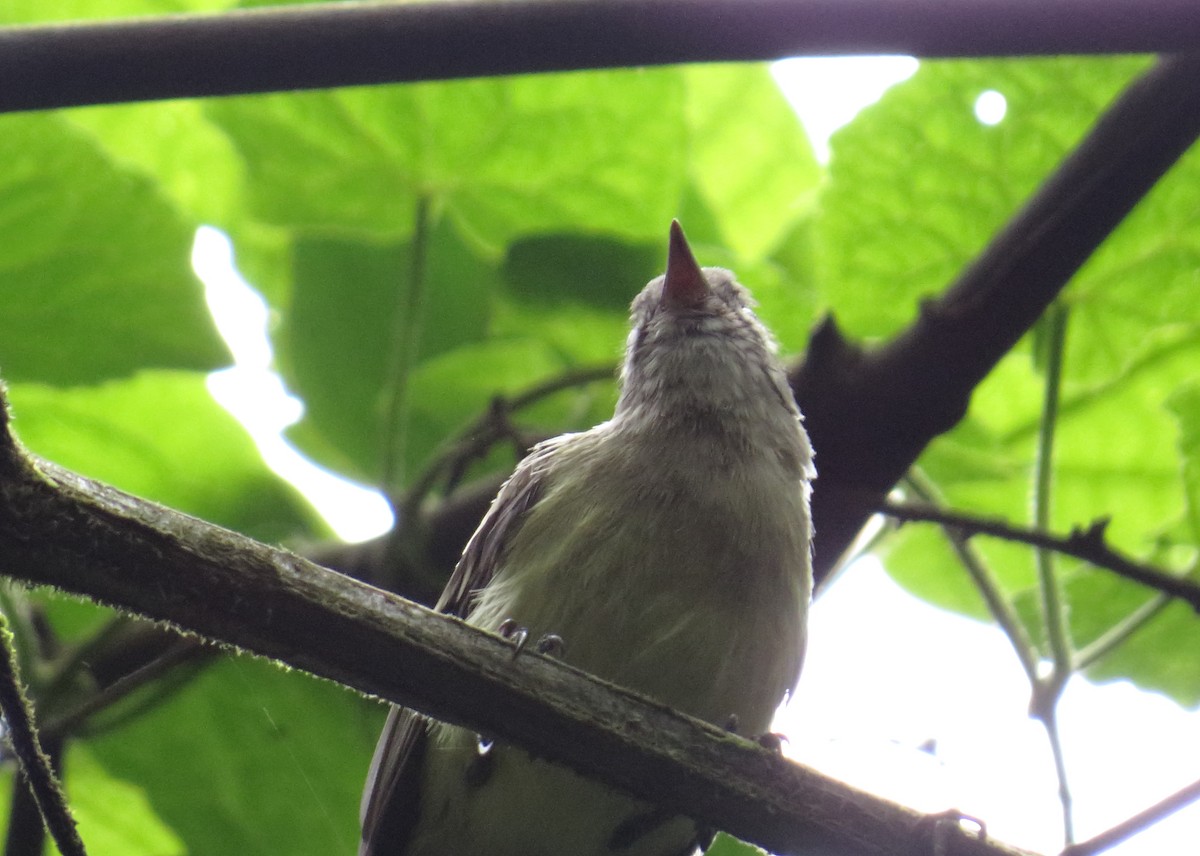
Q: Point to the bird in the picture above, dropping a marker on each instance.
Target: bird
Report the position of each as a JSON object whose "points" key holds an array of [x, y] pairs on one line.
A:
{"points": [[669, 546]]}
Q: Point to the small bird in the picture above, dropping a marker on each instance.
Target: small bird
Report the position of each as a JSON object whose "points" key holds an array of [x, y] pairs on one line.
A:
{"points": [[669, 546]]}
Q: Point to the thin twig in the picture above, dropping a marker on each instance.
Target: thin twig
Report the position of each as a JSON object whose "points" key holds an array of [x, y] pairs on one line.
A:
{"points": [[1119, 633], [474, 440], [182, 651], [1139, 822], [1050, 587], [989, 589], [405, 345], [1048, 689], [1085, 544], [36, 769]]}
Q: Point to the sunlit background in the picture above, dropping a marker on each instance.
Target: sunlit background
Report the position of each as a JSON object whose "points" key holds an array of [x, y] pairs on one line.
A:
{"points": [[898, 698]]}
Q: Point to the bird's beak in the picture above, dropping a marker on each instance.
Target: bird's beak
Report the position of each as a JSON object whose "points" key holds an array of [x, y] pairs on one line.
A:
{"points": [[685, 286]]}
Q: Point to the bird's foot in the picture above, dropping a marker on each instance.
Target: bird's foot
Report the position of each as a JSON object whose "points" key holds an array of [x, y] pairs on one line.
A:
{"points": [[943, 825], [550, 644], [516, 634], [772, 740]]}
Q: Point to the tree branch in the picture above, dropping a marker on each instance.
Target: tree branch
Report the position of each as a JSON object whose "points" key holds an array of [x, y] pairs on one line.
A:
{"points": [[870, 413], [344, 44], [37, 772], [1139, 822], [62, 530], [1086, 544]]}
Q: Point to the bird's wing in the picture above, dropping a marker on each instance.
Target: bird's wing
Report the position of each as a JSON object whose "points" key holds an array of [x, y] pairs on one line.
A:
{"points": [[391, 799], [484, 552]]}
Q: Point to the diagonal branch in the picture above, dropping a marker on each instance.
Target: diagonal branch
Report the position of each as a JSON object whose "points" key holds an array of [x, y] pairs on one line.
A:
{"points": [[344, 44], [1141, 821], [871, 413], [60, 529], [1086, 544]]}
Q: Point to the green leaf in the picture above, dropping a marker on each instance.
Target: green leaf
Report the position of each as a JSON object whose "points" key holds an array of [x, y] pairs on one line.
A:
{"points": [[918, 185], [115, 817], [502, 157], [174, 144], [96, 268], [750, 159], [592, 270], [1184, 405], [160, 435], [348, 334], [35, 11], [251, 759]]}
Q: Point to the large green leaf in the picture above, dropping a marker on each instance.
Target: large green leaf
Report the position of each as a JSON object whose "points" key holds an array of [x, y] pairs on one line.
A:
{"points": [[750, 159], [96, 268], [115, 817], [160, 435], [251, 759], [502, 157], [359, 323], [175, 145], [918, 185], [35, 11]]}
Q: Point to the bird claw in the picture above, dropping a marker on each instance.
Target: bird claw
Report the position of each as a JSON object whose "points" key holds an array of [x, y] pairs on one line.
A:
{"points": [[772, 741], [550, 644], [941, 824], [514, 633]]}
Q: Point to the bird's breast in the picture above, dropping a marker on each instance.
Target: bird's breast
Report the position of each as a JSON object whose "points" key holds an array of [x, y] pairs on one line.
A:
{"points": [[685, 579]]}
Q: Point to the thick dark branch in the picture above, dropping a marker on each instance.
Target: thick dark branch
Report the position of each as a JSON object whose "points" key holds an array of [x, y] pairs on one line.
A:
{"points": [[343, 44], [1086, 544], [62, 530], [870, 413]]}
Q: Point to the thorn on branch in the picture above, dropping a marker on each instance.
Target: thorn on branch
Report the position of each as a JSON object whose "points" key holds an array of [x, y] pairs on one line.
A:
{"points": [[1092, 538]]}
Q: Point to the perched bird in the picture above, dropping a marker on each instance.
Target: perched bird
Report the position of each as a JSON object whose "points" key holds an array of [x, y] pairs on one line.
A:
{"points": [[669, 546]]}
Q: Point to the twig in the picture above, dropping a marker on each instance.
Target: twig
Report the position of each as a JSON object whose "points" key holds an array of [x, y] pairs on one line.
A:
{"points": [[1139, 822], [1119, 633], [474, 440], [1085, 544], [183, 650], [346, 44], [989, 589], [36, 770], [405, 345], [1050, 587], [1047, 689]]}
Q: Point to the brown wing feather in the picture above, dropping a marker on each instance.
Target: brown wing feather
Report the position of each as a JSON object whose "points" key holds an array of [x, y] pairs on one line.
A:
{"points": [[391, 800]]}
